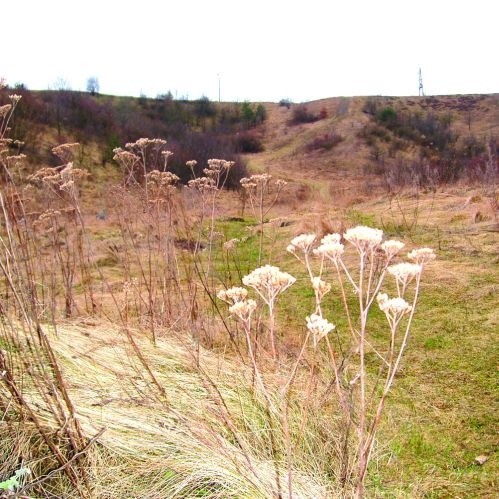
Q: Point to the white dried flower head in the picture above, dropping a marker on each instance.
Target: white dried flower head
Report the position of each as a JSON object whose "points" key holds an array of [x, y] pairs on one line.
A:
{"points": [[331, 238], [15, 159], [202, 184], [303, 242], [15, 98], [404, 272], [392, 247], [231, 244], [191, 163], [5, 109], [247, 183], [280, 183], [162, 179], [319, 327], [243, 309], [268, 281], [422, 255], [232, 295], [331, 250], [66, 152], [393, 307], [320, 286], [364, 238]]}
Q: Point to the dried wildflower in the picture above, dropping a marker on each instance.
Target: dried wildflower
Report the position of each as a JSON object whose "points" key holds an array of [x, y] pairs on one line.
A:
{"points": [[243, 309], [394, 308], [320, 287], [231, 244], [202, 184], [303, 242], [319, 327], [162, 179], [331, 238], [65, 152], [405, 272], [332, 250], [392, 247], [280, 183], [5, 109], [191, 164], [247, 183], [232, 295], [48, 214], [268, 281], [364, 238], [15, 98], [422, 255]]}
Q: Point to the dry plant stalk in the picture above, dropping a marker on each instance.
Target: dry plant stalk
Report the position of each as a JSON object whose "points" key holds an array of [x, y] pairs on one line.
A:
{"points": [[356, 389]]}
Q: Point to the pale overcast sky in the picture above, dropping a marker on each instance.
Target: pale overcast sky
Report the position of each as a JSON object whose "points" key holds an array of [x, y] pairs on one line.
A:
{"points": [[263, 50]]}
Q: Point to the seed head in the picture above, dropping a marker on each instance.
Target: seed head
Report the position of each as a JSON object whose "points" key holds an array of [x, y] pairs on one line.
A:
{"points": [[232, 295], [405, 272], [319, 327], [393, 307], [364, 238], [302, 242], [392, 247], [268, 281], [332, 250], [243, 309], [422, 255]]}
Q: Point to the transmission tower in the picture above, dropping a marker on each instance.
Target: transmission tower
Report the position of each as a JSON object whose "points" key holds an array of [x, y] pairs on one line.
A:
{"points": [[421, 91]]}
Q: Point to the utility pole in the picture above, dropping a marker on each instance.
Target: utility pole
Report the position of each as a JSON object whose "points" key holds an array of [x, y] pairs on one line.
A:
{"points": [[421, 91]]}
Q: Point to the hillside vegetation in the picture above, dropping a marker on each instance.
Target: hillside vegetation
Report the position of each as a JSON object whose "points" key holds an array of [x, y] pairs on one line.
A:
{"points": [[167, 330]]}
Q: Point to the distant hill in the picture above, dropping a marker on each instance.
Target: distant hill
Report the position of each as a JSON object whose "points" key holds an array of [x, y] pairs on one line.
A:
{"points": [[336, 142]]}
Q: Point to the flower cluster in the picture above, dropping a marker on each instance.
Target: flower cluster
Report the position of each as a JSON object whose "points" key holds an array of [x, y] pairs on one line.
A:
{"points": [[232, 295], [394, 308], [243, 309], [217, 166], [303, 242], [268, 281], [364, 238], [404, 272], [202, 184], [231, 244], [66, 152], [258, 180], [330, 247], [319, 327], [392, 247], [162, 179], [422, 255], [4, 110]]}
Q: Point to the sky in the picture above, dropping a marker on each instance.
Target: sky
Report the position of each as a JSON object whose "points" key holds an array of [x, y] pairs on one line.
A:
{"points": [[257, 50]]}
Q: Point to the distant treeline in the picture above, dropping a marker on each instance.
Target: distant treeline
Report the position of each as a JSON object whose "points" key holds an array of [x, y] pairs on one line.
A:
{"points": [[198, 129]]}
